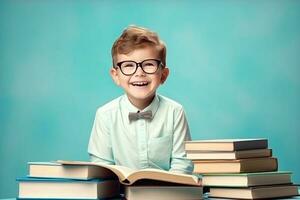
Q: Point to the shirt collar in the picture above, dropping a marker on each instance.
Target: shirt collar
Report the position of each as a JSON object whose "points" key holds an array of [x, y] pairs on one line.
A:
{"points": [[129, 107]]}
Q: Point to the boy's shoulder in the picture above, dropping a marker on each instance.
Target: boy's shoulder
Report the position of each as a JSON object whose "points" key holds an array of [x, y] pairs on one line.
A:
{"points": [[110, 106], [167, 102]]}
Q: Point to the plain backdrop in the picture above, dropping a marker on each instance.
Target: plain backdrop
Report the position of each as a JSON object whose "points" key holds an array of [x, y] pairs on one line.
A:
{"points": [[234, 66]]}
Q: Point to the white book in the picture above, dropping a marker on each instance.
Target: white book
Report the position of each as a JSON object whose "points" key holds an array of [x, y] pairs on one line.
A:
{"points": [[51, 188], [246, 179], [58, 170], [163, 192], [228, 155], [258, 192]]}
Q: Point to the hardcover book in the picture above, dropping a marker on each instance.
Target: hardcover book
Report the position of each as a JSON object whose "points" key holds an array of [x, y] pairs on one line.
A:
{"points": [[226, 144], [163, 192], [57, 170], [52, 188], [236, 166], [228, 155], [258, 192], [247, 179]]}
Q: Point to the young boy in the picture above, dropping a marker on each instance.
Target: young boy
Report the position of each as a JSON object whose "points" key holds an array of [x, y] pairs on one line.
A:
{"points": [[140, 129]]}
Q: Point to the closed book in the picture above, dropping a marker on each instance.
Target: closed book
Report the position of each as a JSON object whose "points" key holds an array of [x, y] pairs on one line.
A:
{"points": [[236, 166], [163, 192], [246, 179], [258, 192], [58, 170], [226, 144], [51, 188], [210, 155]]}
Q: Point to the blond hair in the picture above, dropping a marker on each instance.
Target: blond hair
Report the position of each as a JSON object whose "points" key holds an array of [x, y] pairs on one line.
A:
{"points": [[134, 37]]}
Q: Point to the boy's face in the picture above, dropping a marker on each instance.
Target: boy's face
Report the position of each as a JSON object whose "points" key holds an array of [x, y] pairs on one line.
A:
{"points": [[140, 87]]}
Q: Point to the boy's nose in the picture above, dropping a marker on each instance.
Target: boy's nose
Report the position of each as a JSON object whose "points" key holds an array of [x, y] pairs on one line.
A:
{"points": [[139, 71]]}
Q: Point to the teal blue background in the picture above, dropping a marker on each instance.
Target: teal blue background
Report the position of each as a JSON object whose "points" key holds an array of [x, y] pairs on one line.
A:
{"points": [[234, 65]]}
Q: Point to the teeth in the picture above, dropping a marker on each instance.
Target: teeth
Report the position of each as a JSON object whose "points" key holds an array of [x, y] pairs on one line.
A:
{"points": [[142, 83]]}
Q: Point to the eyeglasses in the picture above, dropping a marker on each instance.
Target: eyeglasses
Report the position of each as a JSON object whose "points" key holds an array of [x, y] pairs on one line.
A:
{"points": [[149, 66]]}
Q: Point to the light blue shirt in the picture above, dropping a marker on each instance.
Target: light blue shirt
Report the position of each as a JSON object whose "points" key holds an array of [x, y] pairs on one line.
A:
{"points": [[144, 143]]}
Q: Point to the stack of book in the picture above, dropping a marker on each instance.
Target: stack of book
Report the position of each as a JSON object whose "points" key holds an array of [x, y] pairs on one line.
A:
{"points": [[86, 180], [239, 168], [52, 180]]}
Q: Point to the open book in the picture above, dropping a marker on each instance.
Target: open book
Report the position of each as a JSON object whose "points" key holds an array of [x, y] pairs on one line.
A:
{"points": [[128, 176]]}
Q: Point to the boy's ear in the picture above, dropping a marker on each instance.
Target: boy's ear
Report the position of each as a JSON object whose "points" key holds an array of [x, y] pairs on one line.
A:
{"points": [[114, 75], [164, 75]]}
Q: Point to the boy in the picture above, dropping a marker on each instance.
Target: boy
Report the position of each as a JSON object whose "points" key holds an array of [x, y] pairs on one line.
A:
{"points": [[140, 129]]}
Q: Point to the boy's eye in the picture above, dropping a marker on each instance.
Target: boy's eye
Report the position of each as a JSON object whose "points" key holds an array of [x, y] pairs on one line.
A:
{"points": [[128, 65], [149, 64]]}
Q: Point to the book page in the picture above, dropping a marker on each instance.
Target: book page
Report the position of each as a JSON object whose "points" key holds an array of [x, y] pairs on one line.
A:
{"points": [[161, 175], [128, 176], [121, 171]]}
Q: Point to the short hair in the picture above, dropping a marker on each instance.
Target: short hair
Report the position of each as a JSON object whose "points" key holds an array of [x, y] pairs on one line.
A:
{"points": [[134, 37]]}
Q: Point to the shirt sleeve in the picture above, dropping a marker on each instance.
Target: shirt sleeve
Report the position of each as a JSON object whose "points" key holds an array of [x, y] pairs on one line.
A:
{"points": [[179, 162], [99, 147]]}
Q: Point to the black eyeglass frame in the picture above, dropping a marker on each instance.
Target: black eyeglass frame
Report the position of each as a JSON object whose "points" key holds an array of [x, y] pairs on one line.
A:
{"points": [[139, 64]]}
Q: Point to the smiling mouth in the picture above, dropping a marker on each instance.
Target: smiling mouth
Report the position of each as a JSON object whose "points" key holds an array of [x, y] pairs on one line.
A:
{"points": [[140, 83]]}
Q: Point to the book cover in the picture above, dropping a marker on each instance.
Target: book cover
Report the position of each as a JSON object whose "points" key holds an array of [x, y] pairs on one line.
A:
{"points": [[57, 170], [226, 144], [52, 188], [247, 179], [163, 192], [228, 155], [258, 192], [236, 166]]}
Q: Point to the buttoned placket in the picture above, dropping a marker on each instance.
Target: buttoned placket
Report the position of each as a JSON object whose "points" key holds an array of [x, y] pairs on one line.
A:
{"points": [[141, 130], [142, 143]]}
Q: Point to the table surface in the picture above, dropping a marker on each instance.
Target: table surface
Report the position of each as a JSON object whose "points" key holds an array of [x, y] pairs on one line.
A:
{"points": [[205, 198], [296, 197]]}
